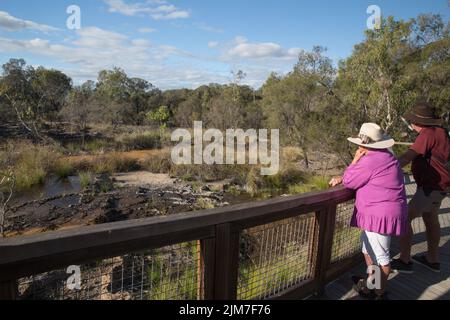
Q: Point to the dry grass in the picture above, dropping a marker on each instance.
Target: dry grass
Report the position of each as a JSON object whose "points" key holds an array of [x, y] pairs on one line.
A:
{"points": [[32, 163], [139, 140]]}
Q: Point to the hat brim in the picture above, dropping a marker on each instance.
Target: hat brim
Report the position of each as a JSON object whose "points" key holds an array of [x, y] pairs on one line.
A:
{"points": [[386, 143], [423, 121]]}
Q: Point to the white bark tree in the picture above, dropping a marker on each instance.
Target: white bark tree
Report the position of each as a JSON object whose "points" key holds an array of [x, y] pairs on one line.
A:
{"points": [[7, 185]]}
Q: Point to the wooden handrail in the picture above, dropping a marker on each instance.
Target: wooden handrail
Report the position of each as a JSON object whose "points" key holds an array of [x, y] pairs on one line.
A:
{"points": [[218, 228]]}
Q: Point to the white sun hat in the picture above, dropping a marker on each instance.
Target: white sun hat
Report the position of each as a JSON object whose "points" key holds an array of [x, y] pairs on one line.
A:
{"points": [[371, 136]]}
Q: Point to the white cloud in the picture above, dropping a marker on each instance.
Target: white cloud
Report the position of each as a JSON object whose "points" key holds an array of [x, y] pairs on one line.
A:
{"points": [[141, 43], [94, 37], [240, 39], [119, 6], [95, 49], [205, 27], [91, 49], [213, 44], [147, 30], [158, 10], [242, 49], [171, 15], [256, 50], [11, 23]]}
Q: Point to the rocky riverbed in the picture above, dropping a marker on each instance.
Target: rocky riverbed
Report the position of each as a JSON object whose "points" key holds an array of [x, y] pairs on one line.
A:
{"points": [[117, 198]]}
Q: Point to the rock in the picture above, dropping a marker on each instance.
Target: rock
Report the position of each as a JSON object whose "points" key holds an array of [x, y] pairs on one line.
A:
{"points": [[109, 216], [171, 196], [142, 192], [206, 188], [52, 216], [121, 204], [103, 183], [110, 203], [85, 199]]}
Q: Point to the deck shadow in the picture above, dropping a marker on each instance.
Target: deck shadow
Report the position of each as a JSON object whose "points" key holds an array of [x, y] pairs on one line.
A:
{"points": [[423, 284]]}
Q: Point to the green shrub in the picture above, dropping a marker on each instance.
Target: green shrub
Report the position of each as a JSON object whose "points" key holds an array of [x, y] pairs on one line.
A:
{"points": [[30, 163], [210, 173], [203, 203], [73, 148], [258, 185], [86, 179], [112, 163], [320, 182], [96, 146], [299, 188], [158, 164], [63, 169], [312, 183], [140, 140]]}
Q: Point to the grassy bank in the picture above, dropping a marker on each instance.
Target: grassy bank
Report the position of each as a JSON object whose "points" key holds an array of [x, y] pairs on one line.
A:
{"points": [[33, 164], [125, 139]]}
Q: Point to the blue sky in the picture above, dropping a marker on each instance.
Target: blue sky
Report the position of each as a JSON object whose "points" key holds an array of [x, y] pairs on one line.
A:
{"points": [[186, 43]]}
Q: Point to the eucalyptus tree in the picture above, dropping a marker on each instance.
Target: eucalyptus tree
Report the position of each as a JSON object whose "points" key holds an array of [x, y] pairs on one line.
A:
{"points": [[7, 186], [51, 88], [291, 103], [396, 65], [80, 107], [18, 96]]}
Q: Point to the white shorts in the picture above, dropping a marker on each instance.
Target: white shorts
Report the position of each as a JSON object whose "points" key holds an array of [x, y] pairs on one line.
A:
{"points": [[377, 247]]}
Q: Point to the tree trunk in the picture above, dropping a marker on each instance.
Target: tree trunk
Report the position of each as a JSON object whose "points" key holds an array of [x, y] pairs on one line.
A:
{"points": [[305, 156], [2, 223]]}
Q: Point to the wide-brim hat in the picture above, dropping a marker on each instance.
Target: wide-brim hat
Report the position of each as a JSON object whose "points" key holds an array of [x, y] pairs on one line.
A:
{"points": [[371, 136], [423, 114]]}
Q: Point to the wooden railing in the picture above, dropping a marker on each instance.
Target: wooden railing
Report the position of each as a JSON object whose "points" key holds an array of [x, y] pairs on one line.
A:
{"points": [[217, 231]]}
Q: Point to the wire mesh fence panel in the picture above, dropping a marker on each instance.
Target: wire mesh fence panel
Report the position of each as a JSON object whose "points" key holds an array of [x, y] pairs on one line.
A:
{"points": [[275, 257], [444, 213], [169, 273], [346, 240]]}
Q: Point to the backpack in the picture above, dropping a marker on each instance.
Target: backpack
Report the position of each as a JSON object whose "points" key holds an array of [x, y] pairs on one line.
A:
{"points": [[444, 163]]}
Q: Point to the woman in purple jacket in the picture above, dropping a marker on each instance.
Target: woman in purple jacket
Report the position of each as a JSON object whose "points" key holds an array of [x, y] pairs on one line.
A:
{"points": [[381, 207]]}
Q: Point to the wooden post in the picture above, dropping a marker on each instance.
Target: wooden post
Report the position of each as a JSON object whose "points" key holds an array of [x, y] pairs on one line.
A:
{"points": [[206, 268], [8, 290], [227, 263], [199, 271], [324, 232], [315, 247]]}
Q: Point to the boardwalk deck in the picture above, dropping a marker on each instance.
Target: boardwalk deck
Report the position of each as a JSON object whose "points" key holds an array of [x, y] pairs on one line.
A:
{"points": [[298, 244], [422, 284]]}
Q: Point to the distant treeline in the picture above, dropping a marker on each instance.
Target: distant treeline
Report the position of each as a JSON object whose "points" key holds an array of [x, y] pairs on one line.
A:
{"points": [[315, 105]]}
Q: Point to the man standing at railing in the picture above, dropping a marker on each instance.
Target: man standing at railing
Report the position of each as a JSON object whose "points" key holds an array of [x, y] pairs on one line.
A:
{"points": [[429, 156]]}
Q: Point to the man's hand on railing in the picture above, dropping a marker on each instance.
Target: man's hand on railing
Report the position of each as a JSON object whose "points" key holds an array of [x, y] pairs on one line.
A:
{"points": [[335, 181]]}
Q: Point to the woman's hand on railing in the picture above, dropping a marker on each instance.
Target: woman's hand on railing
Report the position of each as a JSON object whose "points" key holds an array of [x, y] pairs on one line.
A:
{"points": [[335, 181]]}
